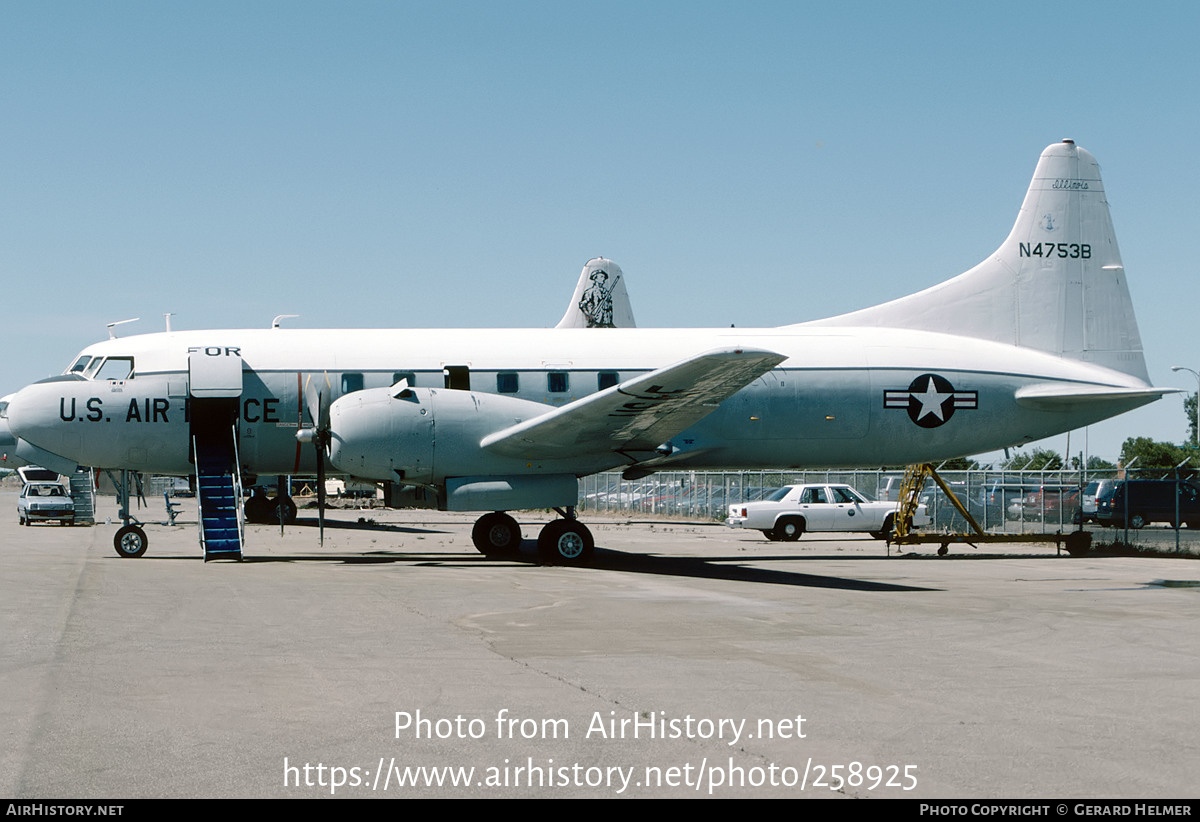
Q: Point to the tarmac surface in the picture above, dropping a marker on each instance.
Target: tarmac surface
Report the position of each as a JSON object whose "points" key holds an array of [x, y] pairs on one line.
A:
{"points": [[690, 660]]}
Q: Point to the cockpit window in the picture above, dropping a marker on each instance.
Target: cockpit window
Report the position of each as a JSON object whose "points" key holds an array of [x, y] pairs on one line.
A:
{"points": [[114, 368], [80, 365], [3, 410]]}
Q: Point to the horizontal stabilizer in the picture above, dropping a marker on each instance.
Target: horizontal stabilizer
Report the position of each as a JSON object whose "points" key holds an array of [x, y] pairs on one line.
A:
{"points": [[639, 414], [1055, 395]]}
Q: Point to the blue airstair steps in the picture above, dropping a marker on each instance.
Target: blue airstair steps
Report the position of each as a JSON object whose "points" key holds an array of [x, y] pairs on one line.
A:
{"points": [[219, 496]]}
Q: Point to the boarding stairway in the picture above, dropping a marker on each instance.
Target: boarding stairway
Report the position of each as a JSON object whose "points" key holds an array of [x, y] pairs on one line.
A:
{"points": [[218, 492]]}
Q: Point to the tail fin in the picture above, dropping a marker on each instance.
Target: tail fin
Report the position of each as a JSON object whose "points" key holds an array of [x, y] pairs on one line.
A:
{"points": [[600, 299], [1056, 284]]}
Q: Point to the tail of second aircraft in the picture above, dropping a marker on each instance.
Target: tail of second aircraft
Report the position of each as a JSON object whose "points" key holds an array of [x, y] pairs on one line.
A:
{"points": [[1056, 284], [600, 299]]}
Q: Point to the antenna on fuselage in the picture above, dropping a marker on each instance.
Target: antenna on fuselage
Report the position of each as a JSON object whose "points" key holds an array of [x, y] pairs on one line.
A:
{"points": [[275, 322], [167, 317], [111, 326]]}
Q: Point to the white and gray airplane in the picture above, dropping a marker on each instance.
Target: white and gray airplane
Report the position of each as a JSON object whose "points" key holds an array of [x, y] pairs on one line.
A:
{"points": [[1038, 339]]}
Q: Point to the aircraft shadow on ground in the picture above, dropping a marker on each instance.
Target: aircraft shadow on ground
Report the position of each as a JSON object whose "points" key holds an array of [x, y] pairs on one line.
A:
{"points": [[362, 524], [731, 568]]}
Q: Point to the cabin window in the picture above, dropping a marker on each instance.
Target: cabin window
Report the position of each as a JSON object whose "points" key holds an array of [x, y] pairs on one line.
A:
{"points": [[557, 382], [507, 383], [607, 379], [405, 375], [352, 382], [115, 368]]}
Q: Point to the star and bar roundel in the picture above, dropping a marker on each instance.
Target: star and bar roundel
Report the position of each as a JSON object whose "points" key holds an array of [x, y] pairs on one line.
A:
{"points": [[930, 400]]}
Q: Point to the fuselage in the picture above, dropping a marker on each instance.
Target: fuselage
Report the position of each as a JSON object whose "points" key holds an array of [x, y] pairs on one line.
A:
{"points": [[844, 396]]}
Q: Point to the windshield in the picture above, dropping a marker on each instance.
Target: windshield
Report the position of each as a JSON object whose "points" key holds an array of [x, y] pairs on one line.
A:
{"points": [[780, 494], [113, 368]]}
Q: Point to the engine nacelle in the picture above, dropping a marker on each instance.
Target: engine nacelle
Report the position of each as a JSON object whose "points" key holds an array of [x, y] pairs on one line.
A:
{"points": [[423, 435]]}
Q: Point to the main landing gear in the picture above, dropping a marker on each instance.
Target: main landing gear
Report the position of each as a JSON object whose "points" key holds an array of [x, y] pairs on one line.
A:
{"points": [[264, 510], [496, 535], [565, 541]]}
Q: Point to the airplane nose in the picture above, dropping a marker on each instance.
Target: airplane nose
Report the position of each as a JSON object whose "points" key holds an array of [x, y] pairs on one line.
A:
{"points": [[33, 416], [13, 403], [8, 440]]}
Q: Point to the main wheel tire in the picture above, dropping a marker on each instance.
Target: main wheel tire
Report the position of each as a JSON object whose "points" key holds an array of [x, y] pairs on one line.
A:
{"points": [[496, 535], [289, 511], [789, 530], [565, 542], [256, 510], [130, 541]]}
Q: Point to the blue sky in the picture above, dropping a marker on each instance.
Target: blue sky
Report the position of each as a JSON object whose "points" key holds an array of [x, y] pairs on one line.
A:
{"points": [[396, 164]]}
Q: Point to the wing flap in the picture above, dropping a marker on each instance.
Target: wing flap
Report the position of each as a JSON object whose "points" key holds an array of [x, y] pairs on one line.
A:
{"points": [[639, 414]]}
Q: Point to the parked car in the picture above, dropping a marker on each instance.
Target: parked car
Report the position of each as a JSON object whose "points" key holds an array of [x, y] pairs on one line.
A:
{"points": [[44, 501], [1004, 499], [944, 515], [1052, 504], [887, 489], [1137, 503], [794, 509], [1093, 490]]}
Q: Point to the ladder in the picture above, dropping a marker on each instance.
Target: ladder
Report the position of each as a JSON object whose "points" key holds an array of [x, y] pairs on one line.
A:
{"points": [[915, 479], [83, 495]]}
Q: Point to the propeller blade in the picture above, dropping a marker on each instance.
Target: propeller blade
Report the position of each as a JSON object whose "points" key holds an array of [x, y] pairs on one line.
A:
{"points": [[321, 490], [318, 400]]}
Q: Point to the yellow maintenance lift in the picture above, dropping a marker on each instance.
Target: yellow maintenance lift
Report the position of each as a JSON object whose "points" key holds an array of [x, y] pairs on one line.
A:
{"points": [[916, 477]]}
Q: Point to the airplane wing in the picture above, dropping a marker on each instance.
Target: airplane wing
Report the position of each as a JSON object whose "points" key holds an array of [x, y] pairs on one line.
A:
{"points": [[639, 414]]}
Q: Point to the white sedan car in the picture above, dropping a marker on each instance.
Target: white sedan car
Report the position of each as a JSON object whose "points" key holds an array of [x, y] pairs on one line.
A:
{"points": [[44, 501], [794, 509]]}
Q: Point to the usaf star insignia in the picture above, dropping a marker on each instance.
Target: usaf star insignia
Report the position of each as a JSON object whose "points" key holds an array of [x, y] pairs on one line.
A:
{"points": [[930, 400]]}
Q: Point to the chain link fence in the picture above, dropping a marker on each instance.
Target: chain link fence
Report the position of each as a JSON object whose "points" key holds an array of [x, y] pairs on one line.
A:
{"points": [[1000, 501]]}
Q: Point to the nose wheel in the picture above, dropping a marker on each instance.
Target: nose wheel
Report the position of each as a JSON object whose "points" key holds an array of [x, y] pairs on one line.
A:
{"points": [[130, 541]]}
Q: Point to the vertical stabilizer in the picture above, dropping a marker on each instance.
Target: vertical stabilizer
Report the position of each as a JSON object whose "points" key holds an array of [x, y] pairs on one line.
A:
{"points": [[1056, 284], [600, 299]]}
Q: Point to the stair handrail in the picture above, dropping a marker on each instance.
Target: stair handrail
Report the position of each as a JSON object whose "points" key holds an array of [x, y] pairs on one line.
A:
{"points": [[237, 488], [199, 495]]}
